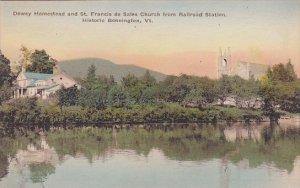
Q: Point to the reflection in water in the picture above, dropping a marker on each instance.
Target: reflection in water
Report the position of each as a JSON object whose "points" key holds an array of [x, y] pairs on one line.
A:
{"points": [[40, 171], [37, 154], [229, 154], [3, 164], [244, 132], [40, 159]]}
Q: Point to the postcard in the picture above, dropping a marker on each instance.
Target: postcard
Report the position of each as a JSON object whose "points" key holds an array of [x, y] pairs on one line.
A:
{"points": [[150, 94]]}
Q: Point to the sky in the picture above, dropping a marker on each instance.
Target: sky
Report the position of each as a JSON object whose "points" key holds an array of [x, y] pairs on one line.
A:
{"points": [[265, 32]]}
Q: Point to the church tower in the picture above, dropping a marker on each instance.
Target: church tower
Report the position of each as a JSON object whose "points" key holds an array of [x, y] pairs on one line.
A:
{"points": [[224, 63]]}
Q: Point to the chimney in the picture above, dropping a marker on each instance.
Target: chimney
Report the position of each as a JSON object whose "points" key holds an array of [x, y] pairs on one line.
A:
{"points": [[56, 69]]}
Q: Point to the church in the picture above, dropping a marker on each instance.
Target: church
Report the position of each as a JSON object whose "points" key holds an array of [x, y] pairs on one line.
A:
{"points": [[244, 69], [31, 84]]}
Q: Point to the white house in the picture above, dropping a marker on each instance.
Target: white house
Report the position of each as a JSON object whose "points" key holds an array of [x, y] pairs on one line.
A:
{"points": [[30, 84]]}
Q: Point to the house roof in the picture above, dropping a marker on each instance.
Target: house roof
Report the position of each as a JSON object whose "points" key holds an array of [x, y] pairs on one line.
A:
{"points": [[37, 76], [51, 86], [33, 83]]}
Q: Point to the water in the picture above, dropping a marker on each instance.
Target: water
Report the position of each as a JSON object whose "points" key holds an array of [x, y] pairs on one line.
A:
{"points": [[174, 156]]}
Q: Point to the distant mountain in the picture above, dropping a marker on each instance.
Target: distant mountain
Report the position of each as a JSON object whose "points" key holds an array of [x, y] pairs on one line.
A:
{"points": [[79, 68]]}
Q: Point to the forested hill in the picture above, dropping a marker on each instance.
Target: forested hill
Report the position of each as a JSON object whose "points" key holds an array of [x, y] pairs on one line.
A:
{"points": [[79, 68]]}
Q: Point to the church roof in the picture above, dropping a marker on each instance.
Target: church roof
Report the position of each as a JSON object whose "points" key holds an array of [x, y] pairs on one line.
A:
{"points": [[37, 76], [256, 68]]}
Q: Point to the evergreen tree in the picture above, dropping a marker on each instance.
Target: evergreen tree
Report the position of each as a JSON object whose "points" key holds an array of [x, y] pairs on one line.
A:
{"points": [[91, 75], [148, 80]]}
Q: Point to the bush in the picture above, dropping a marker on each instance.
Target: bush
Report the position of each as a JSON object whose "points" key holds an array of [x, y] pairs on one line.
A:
{"points": [[20, 111]]}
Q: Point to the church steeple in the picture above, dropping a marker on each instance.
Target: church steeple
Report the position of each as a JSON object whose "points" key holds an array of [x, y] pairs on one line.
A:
{"points": [[224, 62]]}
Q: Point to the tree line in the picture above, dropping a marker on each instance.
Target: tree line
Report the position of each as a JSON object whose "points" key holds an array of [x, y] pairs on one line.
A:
{"points": [[277, 91], [181, 98]]}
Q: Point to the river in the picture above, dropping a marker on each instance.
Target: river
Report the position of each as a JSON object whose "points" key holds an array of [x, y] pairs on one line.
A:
{"points": [[167, 156]]}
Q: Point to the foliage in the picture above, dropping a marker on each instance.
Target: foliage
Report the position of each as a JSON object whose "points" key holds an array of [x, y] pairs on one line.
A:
{"points": [[5, 72], [175, 99], [96, 98], [5, 91], [95, 90], [40, 171], [20, 111], [133, 87], [188, 90], [278, 90], [116, 97], [225, 88], [148, 80], [54, 116], [3, 165], [8, 148], [244, 92], [277, 147], [25, 60], [91, 75], [67, 96], [88, 141], [41, 62], [186, 142], [6, 79]]}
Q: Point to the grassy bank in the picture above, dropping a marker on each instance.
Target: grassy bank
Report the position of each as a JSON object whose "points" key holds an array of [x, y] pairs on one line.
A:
{"points": [[25, 111]]}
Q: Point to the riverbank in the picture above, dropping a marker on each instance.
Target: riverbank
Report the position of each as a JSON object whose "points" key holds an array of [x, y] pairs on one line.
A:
{"points": [[24, 112], [29, 114]]}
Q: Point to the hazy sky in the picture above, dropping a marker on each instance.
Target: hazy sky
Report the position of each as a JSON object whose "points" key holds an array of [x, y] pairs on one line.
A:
{"points": [[258, 31]]}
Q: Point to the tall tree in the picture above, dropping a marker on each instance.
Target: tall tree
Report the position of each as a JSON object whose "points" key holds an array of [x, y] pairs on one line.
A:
{"points": [[5, 79], [166, 88], [148, 80], [41, 62], [202, 91], [129, 81], [91, 81], [133, 88], [95, 89], [5, 72], [91, 75], [279, 90], [25, 60]]}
